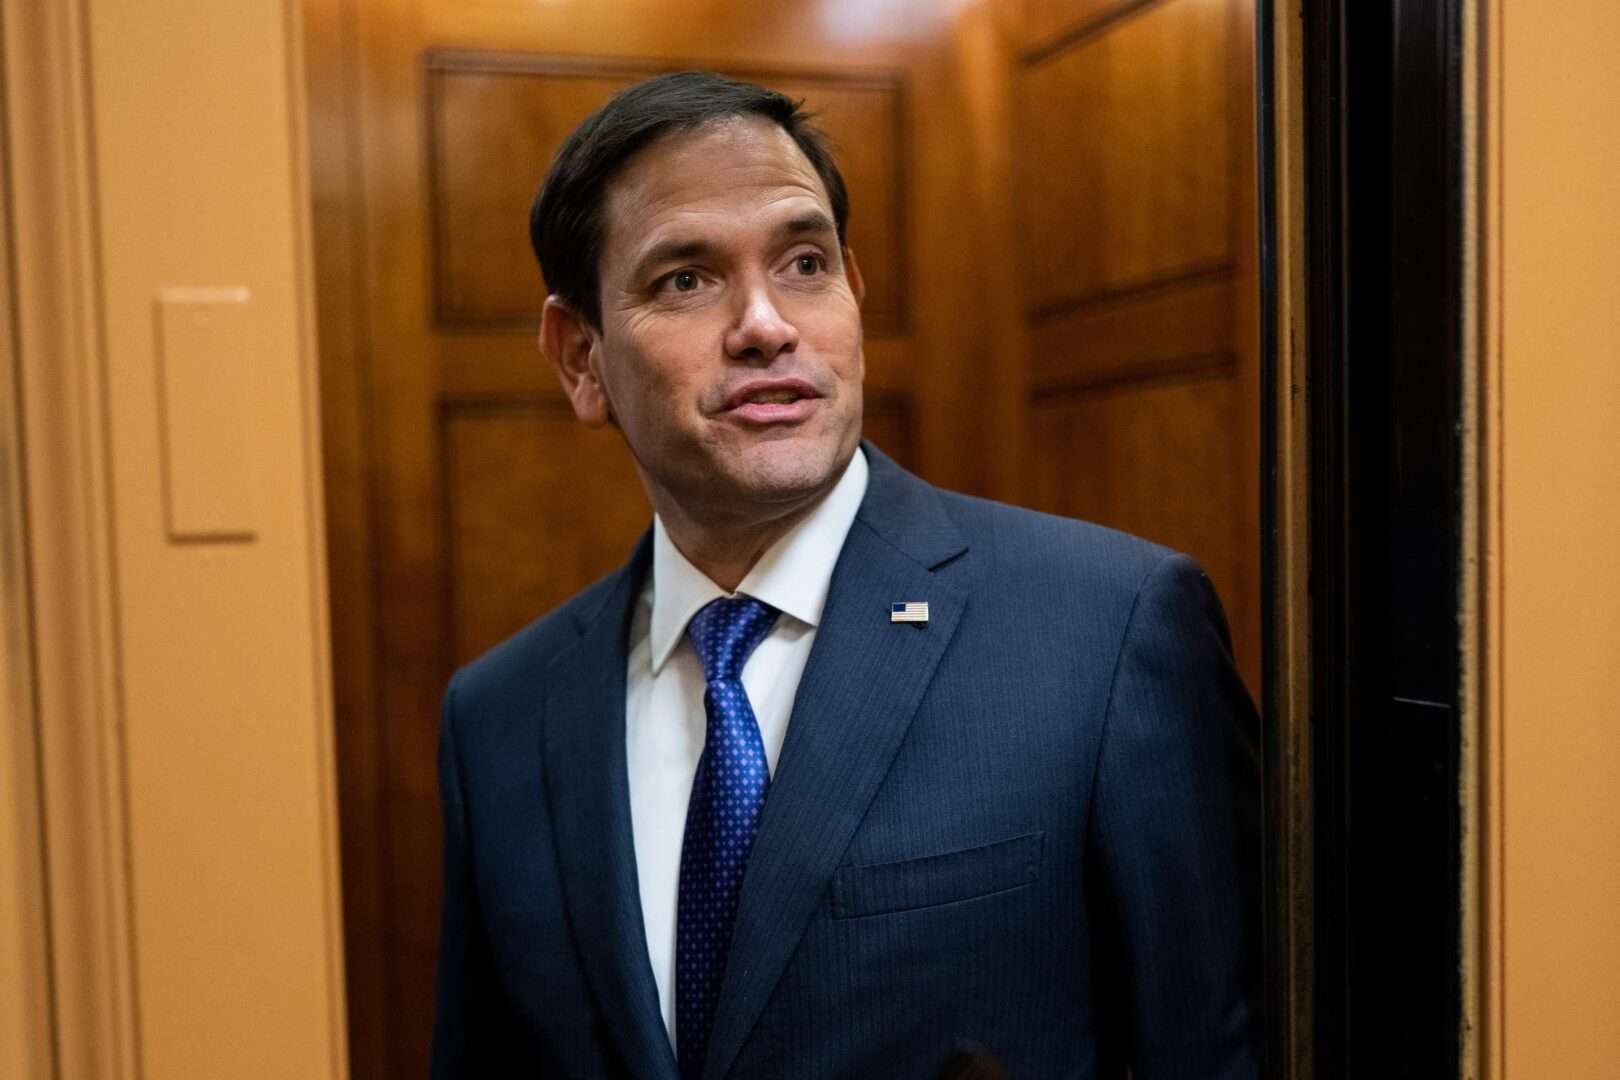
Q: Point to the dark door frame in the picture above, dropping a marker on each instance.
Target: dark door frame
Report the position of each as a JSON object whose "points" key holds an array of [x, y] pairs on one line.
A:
{"points": [[1365, 946]]}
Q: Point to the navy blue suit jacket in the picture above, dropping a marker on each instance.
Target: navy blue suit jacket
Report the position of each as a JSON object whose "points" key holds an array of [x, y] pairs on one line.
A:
{"points": [[1031, 823]]}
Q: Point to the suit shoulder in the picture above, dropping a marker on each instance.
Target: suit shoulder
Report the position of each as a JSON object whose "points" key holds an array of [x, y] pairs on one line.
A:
{"points": [[1028, 542], [1031, 562]]}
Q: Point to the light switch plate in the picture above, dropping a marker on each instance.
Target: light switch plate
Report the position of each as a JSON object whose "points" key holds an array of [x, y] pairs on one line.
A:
{"points": [[208, 416]]}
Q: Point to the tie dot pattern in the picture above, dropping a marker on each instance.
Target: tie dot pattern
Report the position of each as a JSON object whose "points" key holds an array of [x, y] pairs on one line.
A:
{"points": [[727, 794]]}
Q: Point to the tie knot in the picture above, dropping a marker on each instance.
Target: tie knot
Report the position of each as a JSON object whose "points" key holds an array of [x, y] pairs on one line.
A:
{"points": [[725, 633]]}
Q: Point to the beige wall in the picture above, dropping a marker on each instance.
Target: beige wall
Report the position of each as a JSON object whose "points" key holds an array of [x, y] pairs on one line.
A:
{"points": [[179, 730], [1553, 340], [159, 219]]}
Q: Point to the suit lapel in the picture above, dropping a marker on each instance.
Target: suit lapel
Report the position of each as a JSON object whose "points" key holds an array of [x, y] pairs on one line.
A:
{"points": [[863, 683], [587, 777]]}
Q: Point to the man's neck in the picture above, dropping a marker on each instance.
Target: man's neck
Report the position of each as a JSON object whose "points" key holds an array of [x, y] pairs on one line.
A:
{"points": [[725, 553]]}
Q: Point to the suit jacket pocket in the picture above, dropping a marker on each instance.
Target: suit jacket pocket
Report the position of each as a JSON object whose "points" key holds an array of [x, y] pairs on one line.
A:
{"points": [[882, 888]]}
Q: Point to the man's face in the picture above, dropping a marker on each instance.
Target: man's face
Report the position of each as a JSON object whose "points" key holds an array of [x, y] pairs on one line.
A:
{"points": [[730, 349]]}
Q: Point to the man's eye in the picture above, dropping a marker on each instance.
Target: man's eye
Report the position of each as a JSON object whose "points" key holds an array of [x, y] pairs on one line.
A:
{"points": [[684, 280], [808, 264]]}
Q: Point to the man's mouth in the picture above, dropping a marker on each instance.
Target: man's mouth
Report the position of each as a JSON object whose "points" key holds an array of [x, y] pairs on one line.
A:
{"points": [[772, 401], [773, 397]]}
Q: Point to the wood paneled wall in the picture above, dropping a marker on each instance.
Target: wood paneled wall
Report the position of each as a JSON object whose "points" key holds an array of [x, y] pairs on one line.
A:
{"points": [[1133, 158]]}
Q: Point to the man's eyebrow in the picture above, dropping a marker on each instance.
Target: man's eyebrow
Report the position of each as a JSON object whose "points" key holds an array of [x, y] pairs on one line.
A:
{"points": [[815, 222], [668, 251]]}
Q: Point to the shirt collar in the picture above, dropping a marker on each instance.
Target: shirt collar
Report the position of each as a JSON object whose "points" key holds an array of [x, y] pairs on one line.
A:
{"points": [[793, 576]]}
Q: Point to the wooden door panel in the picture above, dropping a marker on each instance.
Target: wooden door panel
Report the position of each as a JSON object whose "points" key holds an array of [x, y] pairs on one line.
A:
{"points": [[1124, 156], [887, 421], [536, 503], [1133, 143], [493, 129], [1125, 454]]}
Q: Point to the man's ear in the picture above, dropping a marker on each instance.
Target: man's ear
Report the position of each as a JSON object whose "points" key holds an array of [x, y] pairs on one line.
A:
{"points": [[852, 271], [571, 342]]}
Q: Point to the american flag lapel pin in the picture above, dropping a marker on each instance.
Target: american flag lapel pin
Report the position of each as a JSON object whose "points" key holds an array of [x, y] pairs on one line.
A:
{"points": [[911, 611]]}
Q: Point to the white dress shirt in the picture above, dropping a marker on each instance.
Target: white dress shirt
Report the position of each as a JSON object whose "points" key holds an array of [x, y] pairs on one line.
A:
{"points": [[664, 718]]}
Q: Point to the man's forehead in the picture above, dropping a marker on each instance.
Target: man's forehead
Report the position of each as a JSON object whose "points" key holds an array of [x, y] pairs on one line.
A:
{"points": [[740, 163]]}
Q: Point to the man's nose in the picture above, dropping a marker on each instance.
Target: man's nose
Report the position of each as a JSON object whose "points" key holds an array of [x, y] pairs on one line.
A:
{"points": [[761, 331]]}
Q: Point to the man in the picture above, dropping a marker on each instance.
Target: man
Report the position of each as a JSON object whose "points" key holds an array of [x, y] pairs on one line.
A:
{"points": [[841, 775]]}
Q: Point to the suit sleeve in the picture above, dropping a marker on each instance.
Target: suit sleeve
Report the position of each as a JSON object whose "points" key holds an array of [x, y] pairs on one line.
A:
{"points": [[463, 985], [1174, 845]]}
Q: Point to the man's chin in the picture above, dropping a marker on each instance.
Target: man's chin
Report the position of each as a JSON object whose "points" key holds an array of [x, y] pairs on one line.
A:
{"points": [[784, 473]]}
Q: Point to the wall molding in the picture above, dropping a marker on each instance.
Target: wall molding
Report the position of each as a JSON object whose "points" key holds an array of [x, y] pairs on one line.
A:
{"points": [[73, 572], [1150, 372], [309, 395], [1083, 31], [1200, 273], [27, 1016]]}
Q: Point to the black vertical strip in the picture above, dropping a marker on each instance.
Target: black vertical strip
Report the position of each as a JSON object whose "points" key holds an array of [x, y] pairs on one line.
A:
{"points": [[1331, 663], [1383, 176], [1403, 362]]}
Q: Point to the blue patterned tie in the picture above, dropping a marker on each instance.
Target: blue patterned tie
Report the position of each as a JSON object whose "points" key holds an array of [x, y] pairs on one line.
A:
{"points": [[727, 794]]}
